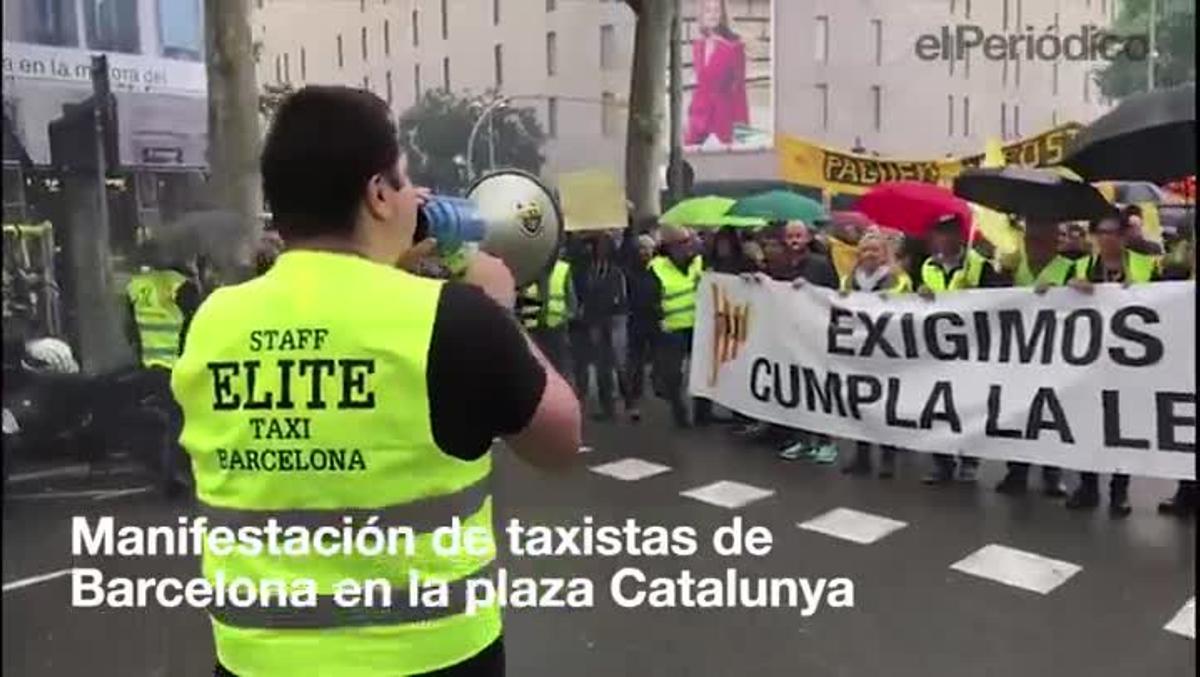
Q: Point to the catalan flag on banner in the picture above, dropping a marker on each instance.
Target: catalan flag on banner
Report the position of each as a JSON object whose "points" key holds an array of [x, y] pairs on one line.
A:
{"points": [[731, 328]]}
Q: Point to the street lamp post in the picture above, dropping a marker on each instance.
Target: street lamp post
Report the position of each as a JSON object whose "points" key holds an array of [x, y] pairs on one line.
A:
{"points": [[486, 115], [1152, 40]]}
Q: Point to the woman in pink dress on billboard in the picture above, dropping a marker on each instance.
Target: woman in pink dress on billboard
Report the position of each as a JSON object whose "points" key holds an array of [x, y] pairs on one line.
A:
{"points": [[719, 61]]}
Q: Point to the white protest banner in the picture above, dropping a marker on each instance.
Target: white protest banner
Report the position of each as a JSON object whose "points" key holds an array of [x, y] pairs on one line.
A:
{"points": [[1102, 382]]}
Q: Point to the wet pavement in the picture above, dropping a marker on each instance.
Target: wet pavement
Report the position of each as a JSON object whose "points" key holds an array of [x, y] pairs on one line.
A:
{"points": [[955, 581]]}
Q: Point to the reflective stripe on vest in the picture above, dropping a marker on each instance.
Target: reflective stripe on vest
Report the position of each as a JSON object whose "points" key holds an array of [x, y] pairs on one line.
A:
{"points": [[159, 318], [678, 292], [966, 276], [556, 298], [367, 451], [901, 285], [530, 308], [1058, 272]]}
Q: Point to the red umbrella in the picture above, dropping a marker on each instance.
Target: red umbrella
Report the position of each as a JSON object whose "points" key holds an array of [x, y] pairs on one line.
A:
{"points": [[912, 207]]}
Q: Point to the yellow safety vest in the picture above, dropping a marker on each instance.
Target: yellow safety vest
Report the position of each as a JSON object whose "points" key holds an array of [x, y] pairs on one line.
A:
{"points": [[901, 285], [530, 307], [1139, 267], [287, 344], [1058, 272], [965, 277], [556, 299], [159, 318], [678, 292]]}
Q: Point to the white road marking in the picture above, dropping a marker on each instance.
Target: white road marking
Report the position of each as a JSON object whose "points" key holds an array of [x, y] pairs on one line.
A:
{"points": [[1184, 622], [1020, 569], [34, 580], [78, 470], [95, 494], [852, 525], [585, 449], [630, 469], [122, 492], [727, 494]]}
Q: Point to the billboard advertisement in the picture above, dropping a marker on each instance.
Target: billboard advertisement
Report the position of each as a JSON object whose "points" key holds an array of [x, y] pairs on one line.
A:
{"points": [[728, 75]]}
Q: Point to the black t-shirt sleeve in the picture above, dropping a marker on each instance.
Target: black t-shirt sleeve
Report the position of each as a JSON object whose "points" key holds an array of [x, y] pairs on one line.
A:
{"points": [[483, 381]]}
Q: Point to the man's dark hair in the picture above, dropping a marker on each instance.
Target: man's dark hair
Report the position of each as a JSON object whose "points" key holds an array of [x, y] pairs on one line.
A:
{"points": [[325, 144]]}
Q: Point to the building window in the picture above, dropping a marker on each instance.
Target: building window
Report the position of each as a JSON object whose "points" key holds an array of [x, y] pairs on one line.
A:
{"points": [[551, 5], [552, 117], [877, 35], [362, 5], [950, 115], [495, 12], [877, 106], [49, 22], [551, 53], [1054, 118], [340, 55], [446, 73], [363, 34], [1087, 87], [1017, 120], [1004, 14], [607, 48], [968, 13], [1017, 73], [287, 70], [821, 41], [1003, 120], [303, 64], [607, 113], [498, 63], [823, 105], [417, 80], [387, 38], [112, 25], [367, 83], [416, 28], [180, 31], [967, 66], [1054, 78], [445, 21], [966, 116], [1004, 72], [387, 77], [278, 69]]}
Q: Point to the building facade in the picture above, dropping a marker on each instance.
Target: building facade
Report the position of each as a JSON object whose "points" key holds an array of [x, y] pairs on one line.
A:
{"points": [[842, 73]]}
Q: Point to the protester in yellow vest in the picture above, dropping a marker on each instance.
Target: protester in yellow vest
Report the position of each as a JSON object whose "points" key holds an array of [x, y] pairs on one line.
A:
{"points": [[338, 390], [1114, 262], [678, 272], [875, 271], [1040, 265], [952, 265], [162, 298], [544, 308]]}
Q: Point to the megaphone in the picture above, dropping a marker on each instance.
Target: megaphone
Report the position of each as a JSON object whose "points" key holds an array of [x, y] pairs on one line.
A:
{"points": [[508, 213]]}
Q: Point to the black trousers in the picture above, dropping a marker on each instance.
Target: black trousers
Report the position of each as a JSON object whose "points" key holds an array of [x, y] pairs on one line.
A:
{"points": [[486, 663], [592, 347], [553, 343], [1050, 474], [672, 350], [639, 350], [1118, 485]]}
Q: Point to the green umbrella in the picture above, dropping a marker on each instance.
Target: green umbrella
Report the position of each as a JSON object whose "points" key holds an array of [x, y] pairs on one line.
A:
{"points": [[780, 205], [706, 212]]}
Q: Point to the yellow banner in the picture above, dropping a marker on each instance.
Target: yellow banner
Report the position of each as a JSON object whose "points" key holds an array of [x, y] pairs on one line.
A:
{"points": [[592, 199], [809, 164]]}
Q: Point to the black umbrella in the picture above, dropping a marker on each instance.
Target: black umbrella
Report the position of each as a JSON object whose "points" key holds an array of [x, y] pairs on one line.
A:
{"points": [[1149, 136], [1037, 194]]}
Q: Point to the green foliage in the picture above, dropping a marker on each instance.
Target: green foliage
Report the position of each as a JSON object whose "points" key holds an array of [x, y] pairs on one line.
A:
{"points": [[436, 129], [271, 97], [1176, 46]]}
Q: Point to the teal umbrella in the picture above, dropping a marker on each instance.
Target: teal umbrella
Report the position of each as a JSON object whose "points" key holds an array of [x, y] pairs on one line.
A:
{"points": [[780, 205], [707, 212]]}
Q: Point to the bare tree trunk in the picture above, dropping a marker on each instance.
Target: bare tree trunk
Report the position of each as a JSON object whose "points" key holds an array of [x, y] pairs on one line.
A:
{"points": [[647, 107], [233, 134]]}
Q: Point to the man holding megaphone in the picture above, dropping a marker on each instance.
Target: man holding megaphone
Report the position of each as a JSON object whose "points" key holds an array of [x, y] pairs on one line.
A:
{"points": [[409, 378]]}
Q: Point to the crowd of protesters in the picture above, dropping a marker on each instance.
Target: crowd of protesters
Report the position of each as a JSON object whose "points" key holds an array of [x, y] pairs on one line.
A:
{"points": [[622, 307]]}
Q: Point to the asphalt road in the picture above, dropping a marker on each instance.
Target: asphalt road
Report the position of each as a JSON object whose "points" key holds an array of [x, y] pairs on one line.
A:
{"points": [[1080, 594]]}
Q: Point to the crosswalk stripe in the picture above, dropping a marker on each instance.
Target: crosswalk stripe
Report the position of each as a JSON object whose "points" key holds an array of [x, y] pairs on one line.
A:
{"points": [[1018, 568], [1184, 621], [852, 525]]}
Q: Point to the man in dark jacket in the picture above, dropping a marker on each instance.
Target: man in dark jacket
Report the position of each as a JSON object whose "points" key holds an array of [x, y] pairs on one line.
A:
{"points": [[600, 289], [642, 324]]}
